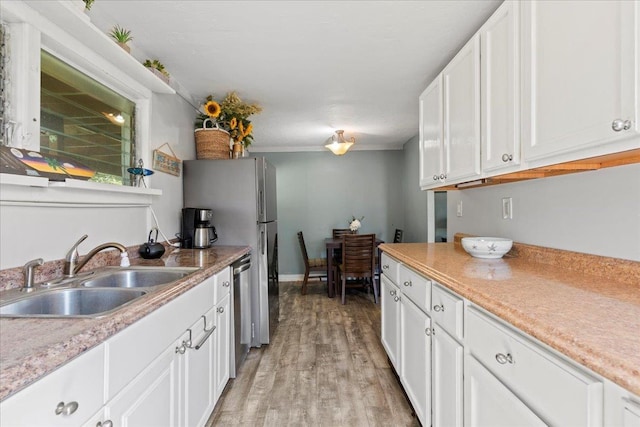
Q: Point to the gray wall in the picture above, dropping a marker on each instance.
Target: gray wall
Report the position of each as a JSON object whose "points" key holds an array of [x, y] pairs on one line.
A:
{"points": [[318, 191], [595, 212], [413, 199]]}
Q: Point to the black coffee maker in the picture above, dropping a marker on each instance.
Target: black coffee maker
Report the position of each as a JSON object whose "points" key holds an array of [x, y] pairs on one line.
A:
{"points": [[197, 231]]}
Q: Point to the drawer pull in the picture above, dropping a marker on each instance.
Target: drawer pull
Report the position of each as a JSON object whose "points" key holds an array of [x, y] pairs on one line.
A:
{"points": [[66, 408], [504, 358], [438, 307], [226, 283], [396, 298], [392, 292], [107, 423], [427, 332], [182, 348], [408, 283], [220, 310], [385, 267]]}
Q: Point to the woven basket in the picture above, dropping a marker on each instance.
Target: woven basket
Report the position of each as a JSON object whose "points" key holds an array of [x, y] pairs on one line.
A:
{"points": [[212, 143]]}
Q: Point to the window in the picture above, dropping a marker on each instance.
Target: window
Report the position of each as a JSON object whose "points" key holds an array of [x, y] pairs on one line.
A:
{"points": [[82, 119]]}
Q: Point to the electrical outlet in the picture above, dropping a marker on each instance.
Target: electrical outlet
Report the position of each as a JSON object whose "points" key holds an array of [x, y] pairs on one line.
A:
{"points": [[507, 208], [459, 209]]}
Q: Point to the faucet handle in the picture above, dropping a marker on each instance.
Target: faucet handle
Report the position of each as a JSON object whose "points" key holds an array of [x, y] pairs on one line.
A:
{"points": [[71, 258], [28, 273]]}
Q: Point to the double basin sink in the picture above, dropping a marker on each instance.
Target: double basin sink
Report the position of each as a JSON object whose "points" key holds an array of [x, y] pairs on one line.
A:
{"points": [[98, 294]]}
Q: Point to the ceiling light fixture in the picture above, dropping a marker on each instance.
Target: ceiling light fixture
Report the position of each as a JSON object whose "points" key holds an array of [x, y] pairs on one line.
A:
{"points": [[339, 145]]}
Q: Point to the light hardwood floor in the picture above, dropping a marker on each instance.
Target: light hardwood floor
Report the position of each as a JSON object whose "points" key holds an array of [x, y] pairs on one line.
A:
{"points": [[325, 366]]}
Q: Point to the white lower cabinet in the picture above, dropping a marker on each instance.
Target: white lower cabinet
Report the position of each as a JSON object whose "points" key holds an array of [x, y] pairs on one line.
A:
{"points": [[66, 397], [390, 322], [446, 375], [490, 403], [222, 345], [415, 357]]}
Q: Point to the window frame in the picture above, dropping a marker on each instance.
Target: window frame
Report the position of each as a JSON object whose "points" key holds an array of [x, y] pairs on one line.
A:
{"points": [[88, 50]]}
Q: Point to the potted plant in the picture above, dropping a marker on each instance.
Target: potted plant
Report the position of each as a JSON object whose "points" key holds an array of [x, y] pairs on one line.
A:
{"points": [[231, 115], [88, 4], [158, 69], [122, 36]]}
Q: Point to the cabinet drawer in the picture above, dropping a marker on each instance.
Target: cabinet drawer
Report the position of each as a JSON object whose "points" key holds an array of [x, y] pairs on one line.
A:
{"points": [[416, 287], [390, 267], [447, 310], [222, 280], [80, 381], [132, 349], [559, 393]]}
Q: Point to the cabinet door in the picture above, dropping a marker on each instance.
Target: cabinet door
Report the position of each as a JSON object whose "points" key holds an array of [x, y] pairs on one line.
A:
{"points": [[499, 39], [222, 336], [430, 138], [415, 358], [78, 385], [579, 76], [446, 379], [490, 403], [198, 374], [152, 398], [390, 322], [461, 126]]}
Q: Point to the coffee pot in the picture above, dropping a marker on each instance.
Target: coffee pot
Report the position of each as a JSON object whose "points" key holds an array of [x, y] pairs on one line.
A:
{"points": [[197, 230]]}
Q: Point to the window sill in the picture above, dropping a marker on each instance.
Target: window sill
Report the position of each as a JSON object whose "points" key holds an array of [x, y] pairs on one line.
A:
{"points": [[30, 191]]}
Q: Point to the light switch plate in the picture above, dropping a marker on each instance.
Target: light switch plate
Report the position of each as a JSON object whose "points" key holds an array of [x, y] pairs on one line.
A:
{"points": [[459, 209], [507, 208]]}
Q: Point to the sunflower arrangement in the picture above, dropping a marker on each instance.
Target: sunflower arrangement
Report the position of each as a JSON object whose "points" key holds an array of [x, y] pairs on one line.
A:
{"points": [[232, 115]]}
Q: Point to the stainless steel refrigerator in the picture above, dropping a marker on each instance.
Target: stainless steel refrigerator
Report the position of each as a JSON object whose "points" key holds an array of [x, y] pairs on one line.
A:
{"points": [[242, 194]]}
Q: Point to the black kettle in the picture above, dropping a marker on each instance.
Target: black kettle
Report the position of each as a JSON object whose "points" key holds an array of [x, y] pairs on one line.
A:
{"points": [[152, 249]]}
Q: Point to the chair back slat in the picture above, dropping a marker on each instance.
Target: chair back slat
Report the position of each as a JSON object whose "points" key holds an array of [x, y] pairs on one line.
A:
{"points": [[358, 254]]}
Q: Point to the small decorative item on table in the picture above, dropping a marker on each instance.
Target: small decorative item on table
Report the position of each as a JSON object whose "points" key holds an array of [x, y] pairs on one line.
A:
{"points": [[355, 224], [231, 115], [486, 247]]}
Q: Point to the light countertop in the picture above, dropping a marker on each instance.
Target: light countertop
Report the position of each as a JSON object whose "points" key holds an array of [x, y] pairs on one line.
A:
{"points": [[585, 307]]}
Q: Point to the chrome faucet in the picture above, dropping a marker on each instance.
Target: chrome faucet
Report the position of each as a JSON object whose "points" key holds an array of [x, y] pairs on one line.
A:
{"points": [[72, 266]]}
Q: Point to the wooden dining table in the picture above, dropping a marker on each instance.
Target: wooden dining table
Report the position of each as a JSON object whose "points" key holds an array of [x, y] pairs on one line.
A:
{"points": [[332, 244]]}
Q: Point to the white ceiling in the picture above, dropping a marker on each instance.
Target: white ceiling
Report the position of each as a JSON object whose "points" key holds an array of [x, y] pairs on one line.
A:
{"points": [[314, 66]]}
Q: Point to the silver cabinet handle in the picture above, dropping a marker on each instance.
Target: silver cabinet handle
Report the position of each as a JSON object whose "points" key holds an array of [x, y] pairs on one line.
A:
{"points": [[182, 348], [106, 423], [428, 331], [220, 310], [408, 283], [504, 358], [507, 157], [438, 307], [435, 177], [226, 283], [66, 408], [396, 298], [385, 267], [392, 292], [443, 176], [620, 125]]}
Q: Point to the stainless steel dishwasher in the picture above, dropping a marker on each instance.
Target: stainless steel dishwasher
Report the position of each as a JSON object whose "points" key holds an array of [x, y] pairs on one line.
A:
{"points": [[241, 312]]}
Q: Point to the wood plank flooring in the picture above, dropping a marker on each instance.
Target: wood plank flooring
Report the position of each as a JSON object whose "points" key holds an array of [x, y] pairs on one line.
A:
{"points": [[325, 366]]}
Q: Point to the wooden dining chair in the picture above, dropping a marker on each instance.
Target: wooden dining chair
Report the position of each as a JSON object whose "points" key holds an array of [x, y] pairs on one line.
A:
{"points": [[337, 233], [357, 267], [315, 266], [397, 238]]}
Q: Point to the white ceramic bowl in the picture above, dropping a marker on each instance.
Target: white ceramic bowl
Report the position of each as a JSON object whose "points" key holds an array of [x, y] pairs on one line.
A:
{"points": [[486, 247]]}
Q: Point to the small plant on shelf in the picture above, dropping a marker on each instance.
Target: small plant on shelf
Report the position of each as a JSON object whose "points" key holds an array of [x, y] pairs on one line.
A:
{"points": [[158, 68], [88, 4], [122, 36]]}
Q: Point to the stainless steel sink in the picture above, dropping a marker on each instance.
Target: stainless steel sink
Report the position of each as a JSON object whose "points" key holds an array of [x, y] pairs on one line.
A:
{"points": [[137, 277], [70, 302]]}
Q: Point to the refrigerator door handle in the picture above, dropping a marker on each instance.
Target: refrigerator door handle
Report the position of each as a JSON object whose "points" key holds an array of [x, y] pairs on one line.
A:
{"points": [[261, 204], [262, 242]]}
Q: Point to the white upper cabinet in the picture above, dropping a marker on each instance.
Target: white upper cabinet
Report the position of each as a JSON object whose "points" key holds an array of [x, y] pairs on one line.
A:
{"points": [[461, 125], [580, 81], [500, 89], [431, 141]]}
